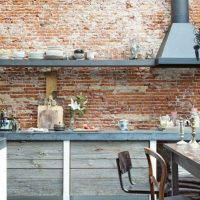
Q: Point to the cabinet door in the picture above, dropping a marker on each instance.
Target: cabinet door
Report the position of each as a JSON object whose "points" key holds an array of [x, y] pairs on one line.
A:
{"points": [[93, 166]]}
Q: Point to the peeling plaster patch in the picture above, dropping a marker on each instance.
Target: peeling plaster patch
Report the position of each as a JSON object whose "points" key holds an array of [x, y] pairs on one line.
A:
{"points": [[91, 87], [173, 73], [25, 111], [136, 117], [115, 89], [182, 100], [3, 83], [32, 101], [11, 29], [95, 75], [125, 89], [122, 81], [6, 98], [182, 103], [75, 87], [16, 89], [163, 85], [103, 88], [68, 88]]}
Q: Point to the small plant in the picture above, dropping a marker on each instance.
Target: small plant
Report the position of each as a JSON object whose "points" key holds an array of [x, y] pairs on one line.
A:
{"points": [[77, 105]]}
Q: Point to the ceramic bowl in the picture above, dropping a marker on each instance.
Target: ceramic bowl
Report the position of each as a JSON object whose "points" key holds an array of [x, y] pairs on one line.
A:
{"points": [[79, 55], [59, 127]]}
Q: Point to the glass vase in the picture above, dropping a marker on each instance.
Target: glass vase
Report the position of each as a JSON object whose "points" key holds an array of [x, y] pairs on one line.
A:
{"points": [[71, 121]]}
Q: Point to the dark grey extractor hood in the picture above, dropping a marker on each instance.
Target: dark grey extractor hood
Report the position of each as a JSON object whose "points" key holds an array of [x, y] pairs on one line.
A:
{"points": [[178, 44]]}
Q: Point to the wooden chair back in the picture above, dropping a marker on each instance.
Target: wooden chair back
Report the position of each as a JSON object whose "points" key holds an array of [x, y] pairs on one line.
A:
{"points": [[125, 164], [152, 180]]}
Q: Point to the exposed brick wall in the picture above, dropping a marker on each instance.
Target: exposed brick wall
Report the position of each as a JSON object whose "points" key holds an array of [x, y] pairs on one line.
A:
{"points": [[103, 26], [139, 94], [96, 25], [20, 89]]}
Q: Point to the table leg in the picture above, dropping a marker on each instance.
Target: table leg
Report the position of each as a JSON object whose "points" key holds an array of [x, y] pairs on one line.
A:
{"points": [[174, 169]]}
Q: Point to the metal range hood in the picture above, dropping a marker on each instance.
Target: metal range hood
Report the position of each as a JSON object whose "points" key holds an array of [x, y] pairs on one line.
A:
{"points": [[177, 45]]}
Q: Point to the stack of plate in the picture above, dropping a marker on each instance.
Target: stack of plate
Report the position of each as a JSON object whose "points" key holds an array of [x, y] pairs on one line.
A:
{"points": [[54, 53], [19, 55], [36, 55]]}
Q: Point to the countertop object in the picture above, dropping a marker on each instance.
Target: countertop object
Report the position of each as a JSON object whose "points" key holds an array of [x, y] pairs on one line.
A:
{"points": [[59, 127], [48, 116]]}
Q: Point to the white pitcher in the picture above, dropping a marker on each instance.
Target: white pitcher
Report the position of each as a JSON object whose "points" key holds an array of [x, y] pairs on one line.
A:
{"points": [[123, 124]]}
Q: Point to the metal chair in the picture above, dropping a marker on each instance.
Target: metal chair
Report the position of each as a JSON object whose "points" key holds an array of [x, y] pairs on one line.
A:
{"points": [[152, 180], [124, 166]]}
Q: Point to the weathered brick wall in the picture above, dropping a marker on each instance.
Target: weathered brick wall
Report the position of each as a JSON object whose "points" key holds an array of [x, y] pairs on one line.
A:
{"points": [[139, 94], [106, 27]]}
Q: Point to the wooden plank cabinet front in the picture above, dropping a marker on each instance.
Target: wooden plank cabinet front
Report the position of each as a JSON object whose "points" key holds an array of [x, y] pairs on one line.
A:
{"points": [[36, 168], [3, 169]]}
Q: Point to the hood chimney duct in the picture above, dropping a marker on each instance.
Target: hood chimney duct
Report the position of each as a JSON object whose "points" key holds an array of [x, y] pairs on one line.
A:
{"points": [[180, 11], [177, 45]]}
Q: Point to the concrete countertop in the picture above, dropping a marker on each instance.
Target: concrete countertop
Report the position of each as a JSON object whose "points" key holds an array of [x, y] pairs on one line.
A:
{"points": [[115, 135], [2, 143]]}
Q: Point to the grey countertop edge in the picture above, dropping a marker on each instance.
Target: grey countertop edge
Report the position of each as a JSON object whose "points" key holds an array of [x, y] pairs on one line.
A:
{"points": [[140, 135], [2, 143]]}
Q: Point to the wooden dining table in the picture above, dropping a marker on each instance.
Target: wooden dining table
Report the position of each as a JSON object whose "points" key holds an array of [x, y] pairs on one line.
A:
{"points": [[185, 155]]}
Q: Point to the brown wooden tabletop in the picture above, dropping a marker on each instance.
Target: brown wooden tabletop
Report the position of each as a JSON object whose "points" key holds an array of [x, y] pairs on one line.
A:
{"points": [[186, 156]]}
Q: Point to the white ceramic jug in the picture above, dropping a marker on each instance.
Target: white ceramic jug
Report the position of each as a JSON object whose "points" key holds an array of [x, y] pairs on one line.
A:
{"points": [[123, 124]]}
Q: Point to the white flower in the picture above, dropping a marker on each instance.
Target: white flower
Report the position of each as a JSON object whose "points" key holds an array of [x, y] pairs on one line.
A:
{"points": [[74, 105]]}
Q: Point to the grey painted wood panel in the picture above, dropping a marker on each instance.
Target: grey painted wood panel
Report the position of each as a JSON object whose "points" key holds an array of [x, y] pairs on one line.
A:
{"points": [[35, 163], [35, 150], [110, 197], [35, 173], [34, 187], [35, 168], [107, 149], [138, 173], [3, 143], [83, 163], [93, 166], [35, 198], [96, 187]]}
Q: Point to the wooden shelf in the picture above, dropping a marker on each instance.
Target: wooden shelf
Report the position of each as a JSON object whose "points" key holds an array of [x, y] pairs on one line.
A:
{"points": [[77, 63]]}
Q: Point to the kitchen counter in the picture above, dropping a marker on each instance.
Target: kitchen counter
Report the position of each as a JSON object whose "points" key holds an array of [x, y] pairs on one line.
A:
{"points": [[3, 169], [71, 160], [115, 135], [2, 143]]}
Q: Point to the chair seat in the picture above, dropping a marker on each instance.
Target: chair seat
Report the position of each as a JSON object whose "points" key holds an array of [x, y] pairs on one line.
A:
{"points": [[140, 189], [178, 197]]}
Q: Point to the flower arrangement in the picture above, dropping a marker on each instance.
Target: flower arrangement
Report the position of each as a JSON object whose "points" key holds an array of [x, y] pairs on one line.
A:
{"points": [[77, 105]]}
